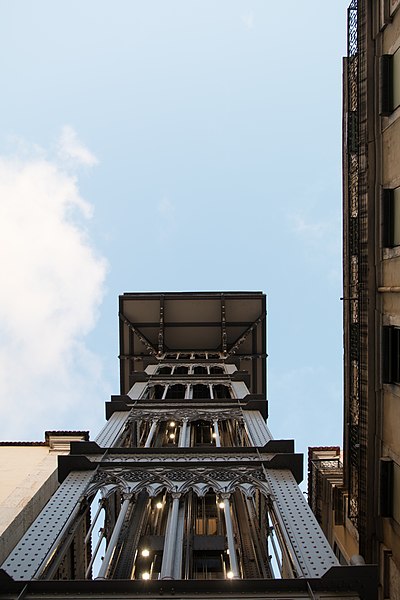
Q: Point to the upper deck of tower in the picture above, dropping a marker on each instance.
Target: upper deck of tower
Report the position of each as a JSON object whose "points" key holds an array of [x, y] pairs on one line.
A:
{"points": [[231, 325]]}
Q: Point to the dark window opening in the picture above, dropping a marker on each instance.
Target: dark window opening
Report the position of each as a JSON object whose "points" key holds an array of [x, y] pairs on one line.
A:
{"points": [[208, 565], [199, 370], [386, 488], [386, 84], [389, 83], [171, 355], [181, 370], [165, 370], [206, 515], [202, 433], [200, 355], [391, 354], [183, 356], [216, 370], [158, 391], [201, 391], [221, 391], [391, 217], [211, 355], [176, 391]]}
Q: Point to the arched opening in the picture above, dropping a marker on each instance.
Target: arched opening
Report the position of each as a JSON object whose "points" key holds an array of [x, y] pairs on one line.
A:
{"points": [[200, 370], [176, 392], [201, 391], [221, 391]]}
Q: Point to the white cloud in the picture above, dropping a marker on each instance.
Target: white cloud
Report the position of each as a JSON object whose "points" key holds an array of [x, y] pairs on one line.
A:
{"points": [[314, 229], [166, 208], [248, 20], [71, 149], [52, 286]]}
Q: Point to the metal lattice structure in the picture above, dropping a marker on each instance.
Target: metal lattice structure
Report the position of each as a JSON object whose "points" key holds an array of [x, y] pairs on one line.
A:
{"points": [[356, 273], [185, 482]]}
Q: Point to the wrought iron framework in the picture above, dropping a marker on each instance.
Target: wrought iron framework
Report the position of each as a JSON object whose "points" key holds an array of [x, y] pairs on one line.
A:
{"points": [[173, 488], [355, 302]]}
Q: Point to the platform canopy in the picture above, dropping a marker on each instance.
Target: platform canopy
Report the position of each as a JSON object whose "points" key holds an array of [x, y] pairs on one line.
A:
{"points": [[232, 323]]}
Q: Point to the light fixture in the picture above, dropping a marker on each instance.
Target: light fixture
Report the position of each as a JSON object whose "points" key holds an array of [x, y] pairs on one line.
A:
{"points": [[221, 505], [159, 505], [146, 575], [172, 424], [171, 436], [145, 552], [214, 435], [229, 574]]}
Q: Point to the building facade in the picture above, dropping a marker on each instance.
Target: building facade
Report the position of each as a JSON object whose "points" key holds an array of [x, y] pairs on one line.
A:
{"points": [[369, 496], [184, 492], [28, 475]]}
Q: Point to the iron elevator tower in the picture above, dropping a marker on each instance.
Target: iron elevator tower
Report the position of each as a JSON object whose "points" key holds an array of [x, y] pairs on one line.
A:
{"points": [[184, 492]]}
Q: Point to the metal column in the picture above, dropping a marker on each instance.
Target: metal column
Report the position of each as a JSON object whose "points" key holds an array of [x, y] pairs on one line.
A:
{"points": [[151, 433], [183, 433], [230, 537], [114, 538], [216, 431], [167, 567]]}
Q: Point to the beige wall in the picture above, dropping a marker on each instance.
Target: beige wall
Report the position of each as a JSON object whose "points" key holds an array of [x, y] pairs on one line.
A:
{"points": [[28, 478]]}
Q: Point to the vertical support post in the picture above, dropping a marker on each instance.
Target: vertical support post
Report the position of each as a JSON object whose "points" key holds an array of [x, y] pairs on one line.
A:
{"points": [[183, 433], [114, 538], [151, 433], [216, 431], [230, 537], [95, 551], [167, 567]]}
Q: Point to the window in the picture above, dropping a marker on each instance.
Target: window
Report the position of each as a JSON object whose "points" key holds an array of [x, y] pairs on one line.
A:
{"points": [[182, 370], [207, 565], [201, 391], [202, 433], [391, 217], [164, 370], [199, 370], [158, 391], [391, 354], [389, 83], [206, 513], [389, 501], [216, 370], [221, 391], [175, 391]]}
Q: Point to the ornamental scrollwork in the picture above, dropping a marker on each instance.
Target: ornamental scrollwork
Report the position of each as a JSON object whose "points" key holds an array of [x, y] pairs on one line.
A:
{"points": [[189, 414], [220, 480]]}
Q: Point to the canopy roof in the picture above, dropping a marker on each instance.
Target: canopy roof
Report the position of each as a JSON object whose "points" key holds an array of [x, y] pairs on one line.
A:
{"points": [[232, 323]]}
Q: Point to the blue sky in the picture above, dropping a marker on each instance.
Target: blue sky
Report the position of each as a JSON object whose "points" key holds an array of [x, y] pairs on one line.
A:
{"points": [[180, 145]]}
